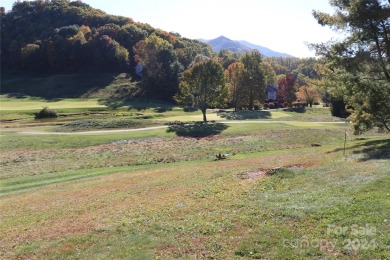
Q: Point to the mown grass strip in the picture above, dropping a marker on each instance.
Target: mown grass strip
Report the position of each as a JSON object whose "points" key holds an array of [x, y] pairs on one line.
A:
{"points": [[20, 184]]}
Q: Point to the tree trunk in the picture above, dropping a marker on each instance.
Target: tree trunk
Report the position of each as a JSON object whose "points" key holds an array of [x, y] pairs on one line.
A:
{"points": [[385, 125], [379, 52], [251, 104], [204, 114]]}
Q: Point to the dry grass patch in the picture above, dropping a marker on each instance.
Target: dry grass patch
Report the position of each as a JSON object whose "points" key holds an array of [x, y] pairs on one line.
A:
{"points": [[167, 200]]}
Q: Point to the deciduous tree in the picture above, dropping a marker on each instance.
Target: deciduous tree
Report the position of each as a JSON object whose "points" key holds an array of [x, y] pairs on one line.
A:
{"points": [[203, 86], [161, 67], [253, 81], [287, 89], [308, 94], [269, 73], [234, 74]]}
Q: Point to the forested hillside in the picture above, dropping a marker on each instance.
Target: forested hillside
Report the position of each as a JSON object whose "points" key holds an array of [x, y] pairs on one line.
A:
{"points": [[64, 36]]}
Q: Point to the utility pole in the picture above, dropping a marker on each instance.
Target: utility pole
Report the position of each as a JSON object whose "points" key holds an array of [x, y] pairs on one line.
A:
{"points": [[345, 141]]}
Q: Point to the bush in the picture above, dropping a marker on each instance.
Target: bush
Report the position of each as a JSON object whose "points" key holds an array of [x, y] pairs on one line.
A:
{"points": [[46, 113], [269, 105], [297, 104], [190, 109]]}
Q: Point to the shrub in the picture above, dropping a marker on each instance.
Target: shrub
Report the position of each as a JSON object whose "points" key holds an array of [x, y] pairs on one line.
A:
{"points": [[270, 105], [190, 109], [46, 113], [297, 104]]}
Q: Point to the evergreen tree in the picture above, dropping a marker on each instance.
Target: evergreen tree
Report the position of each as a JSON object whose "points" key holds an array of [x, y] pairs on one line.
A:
{"points": [[360, 63]]}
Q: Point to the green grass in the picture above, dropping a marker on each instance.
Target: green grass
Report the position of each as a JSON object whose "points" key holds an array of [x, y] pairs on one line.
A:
{"points": [[285, 190], [11, 104], [54, 141], [307, 115]]}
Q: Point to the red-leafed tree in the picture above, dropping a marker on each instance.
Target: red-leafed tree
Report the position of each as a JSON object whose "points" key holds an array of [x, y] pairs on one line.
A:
{"points": [[287, 89]]}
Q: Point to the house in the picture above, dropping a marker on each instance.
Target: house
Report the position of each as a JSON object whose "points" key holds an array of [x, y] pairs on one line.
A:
{"points": [[138, 69], [271, 92]]}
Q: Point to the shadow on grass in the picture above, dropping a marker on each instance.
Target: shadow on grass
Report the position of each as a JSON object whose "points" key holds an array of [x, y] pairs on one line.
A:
{"points": [[138, 104], [24, 96], [190, 109], [243, 115], [54, 86], [295, 109], [197, 129], [16, 95], [371, 150]]}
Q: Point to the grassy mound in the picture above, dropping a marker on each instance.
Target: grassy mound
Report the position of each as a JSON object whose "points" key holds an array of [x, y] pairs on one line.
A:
{"points": [[111, 123]]}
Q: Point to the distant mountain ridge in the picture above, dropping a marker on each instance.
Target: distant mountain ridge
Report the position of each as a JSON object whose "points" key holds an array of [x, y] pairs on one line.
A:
{"points": [[224, 43]]}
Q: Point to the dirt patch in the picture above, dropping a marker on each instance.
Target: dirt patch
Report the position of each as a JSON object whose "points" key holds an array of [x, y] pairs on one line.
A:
{"points": [[296, 166], [261, 173], [252, 175]]}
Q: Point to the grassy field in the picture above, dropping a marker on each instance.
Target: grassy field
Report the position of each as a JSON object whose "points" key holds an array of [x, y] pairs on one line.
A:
{"points": [[287, 189], [37, 104]]}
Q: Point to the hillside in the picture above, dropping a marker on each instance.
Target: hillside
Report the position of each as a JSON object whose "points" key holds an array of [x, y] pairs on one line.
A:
{"points": [[69, 85], [73, 37], [224, 43]]}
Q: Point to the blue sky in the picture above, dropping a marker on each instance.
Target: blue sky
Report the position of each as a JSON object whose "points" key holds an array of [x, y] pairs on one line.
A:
{"points": [[281, 25]]}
